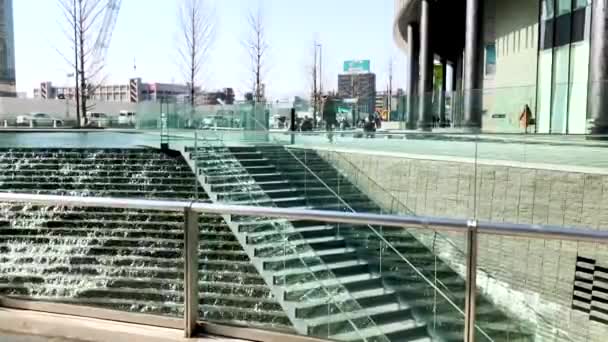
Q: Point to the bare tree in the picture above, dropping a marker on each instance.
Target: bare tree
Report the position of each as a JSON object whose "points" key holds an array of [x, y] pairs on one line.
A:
{"points": [[85, 18], [257, 47], [197, 32]]}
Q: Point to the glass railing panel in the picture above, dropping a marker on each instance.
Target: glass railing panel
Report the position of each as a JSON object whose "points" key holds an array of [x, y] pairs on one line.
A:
{"points": [[293, 270], [121, 259], [230, 288], [430, 293], [545, 289], [286, 275], [398, 257]]}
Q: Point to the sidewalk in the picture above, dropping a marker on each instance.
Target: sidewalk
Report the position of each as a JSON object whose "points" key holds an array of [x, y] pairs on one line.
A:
{"points": [[10, 337]]}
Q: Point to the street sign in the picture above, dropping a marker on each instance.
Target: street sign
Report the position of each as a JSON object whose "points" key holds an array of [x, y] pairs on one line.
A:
{"points": [[355, 67]]}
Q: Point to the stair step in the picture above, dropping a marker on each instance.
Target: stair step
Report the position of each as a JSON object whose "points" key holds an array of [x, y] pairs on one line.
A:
{"points": [[326, 283], [393, 308], [312, 233], [362, 300], [290, 202], [316, 268], [313, 255], [306, 274], [369, 332], [232, 186], [343, 322], [310, 259], [298, 246], [284, 242]]}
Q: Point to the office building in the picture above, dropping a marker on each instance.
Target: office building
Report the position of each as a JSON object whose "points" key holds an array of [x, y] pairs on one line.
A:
{"points": [[359, 86], [549, 55], [7, 50], [134, 91]]}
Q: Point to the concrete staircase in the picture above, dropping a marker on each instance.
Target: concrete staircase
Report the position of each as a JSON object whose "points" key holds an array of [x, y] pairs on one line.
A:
{"points": [[359, 270], [128, 260]]}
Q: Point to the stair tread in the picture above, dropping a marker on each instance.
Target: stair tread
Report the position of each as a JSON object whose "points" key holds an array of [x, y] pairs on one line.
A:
{"points": [[309, 254], [298, 242], [377, 330], [345, 295], [255, 235], [381, 309], [315, 268], [328, 282]]}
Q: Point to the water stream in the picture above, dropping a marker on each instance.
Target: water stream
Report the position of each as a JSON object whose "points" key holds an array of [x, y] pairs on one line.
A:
{"points": [[122, 259]]}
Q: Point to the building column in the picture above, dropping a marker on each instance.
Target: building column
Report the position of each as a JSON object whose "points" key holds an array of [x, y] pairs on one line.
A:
{"points": [[597, 96], [444, 80], [454, 93], [426, 69], [412, 73], [472, 67]]}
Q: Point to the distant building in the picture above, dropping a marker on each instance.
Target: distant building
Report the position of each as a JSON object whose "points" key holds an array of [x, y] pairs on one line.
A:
{"points": [[225, 95], [134, 91], [7, 50], [382, 101], [361, 86]]}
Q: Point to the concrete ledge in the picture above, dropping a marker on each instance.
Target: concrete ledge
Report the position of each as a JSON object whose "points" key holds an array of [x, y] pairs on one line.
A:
{"points": [[466, 160], [87, 329]]}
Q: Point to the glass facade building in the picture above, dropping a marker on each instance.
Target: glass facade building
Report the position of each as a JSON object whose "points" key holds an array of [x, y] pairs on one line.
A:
{"points": [[528, 53], [7, 49], [563, 60]]}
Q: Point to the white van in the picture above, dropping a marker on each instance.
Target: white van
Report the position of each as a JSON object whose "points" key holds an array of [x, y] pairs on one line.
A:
{"points": [[98, 119], [126, 117]]}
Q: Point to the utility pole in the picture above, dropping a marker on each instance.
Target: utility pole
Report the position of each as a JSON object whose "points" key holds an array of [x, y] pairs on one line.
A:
{"points": [[320, 69], [317, 80], [315, 91]]}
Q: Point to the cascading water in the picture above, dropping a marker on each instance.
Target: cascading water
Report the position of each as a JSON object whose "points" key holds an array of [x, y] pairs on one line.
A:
{"points": [[122, 259]]}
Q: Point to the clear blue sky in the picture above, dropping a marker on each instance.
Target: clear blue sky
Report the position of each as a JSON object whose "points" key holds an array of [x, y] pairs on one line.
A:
{"points": [[147, 29]]}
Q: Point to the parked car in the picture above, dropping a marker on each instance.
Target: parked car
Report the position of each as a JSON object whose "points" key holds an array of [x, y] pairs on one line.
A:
{"points": [[215, 121], [38, 120], [98, 120], [126, 118]]}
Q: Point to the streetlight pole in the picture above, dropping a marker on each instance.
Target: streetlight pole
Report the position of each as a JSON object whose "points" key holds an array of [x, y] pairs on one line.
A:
{"points": [[317, 80], [320, 68]]}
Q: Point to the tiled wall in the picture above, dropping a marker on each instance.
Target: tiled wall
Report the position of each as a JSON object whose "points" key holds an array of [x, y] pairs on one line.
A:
{"points": [[532, 278]]}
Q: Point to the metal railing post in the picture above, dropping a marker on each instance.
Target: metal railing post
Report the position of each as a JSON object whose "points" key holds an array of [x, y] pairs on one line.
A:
{"points": [[196, 172], [190, 271], [292, 126], [471, 282]]}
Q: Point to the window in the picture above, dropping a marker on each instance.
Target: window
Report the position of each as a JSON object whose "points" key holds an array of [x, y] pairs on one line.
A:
{"points": [[563, 6], [580, 3], [490, 65]]}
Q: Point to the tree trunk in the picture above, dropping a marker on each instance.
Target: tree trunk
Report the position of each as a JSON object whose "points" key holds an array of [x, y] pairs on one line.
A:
{"points": [[83, 82], [76, 76]]}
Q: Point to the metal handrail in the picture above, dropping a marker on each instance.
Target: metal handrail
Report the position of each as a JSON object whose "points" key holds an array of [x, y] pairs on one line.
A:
{"points": [[536, 231], [192, 208]]}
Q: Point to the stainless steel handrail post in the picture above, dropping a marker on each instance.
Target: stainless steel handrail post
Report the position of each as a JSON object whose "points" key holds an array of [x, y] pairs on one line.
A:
{"points": [[195, 158], [471, 282], [191, 300]]}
